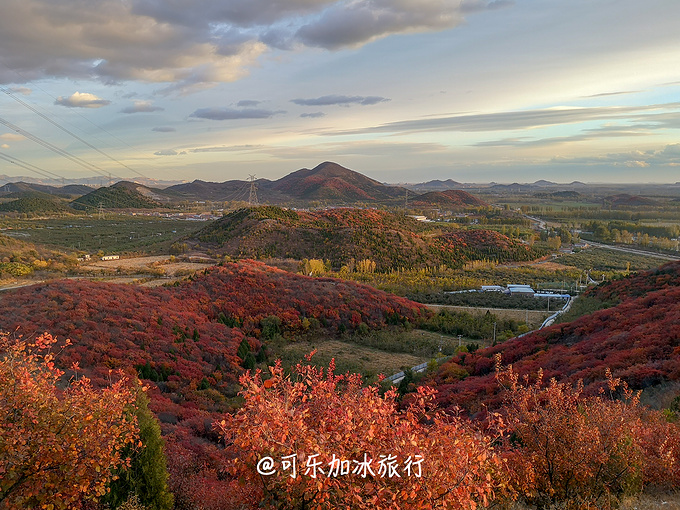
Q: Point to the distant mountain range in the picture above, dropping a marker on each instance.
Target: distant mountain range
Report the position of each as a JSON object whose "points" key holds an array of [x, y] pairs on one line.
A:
{"points": [[327, 184]]}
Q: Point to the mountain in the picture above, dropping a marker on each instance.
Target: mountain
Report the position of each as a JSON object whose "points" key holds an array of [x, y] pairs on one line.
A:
{"points": [[330, 181], [543, 182], [626, 200], [436, 185], [347, 235], [636, 335], [68, 191], [122, 195], [448, 199], [35, 203]]}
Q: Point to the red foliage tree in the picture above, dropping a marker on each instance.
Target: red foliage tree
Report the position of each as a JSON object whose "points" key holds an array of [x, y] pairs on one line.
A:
{"points": [[57, 447], [331, 427]]}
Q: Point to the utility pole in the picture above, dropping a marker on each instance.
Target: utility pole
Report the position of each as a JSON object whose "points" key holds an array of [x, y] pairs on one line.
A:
{"points": [[252, 199], [406, 200], [101, 211]]}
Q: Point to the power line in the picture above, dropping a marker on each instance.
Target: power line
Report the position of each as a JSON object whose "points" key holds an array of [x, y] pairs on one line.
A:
{"points": [[32, 168], [36, 86], [57, 150], [55, 123]]}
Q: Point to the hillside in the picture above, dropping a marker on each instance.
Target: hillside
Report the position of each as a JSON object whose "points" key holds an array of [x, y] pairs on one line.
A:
{"points": [[67, 191], [184, 340], [122, 195], [345, 235], [330, 181], [36, 203], [20, 258], [638, 340], [436, 185], [454, 199], [626, 200]]}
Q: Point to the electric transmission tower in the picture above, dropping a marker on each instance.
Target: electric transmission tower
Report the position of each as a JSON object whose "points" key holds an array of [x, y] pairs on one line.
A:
{"points": [[101, 210], [252, 199]]}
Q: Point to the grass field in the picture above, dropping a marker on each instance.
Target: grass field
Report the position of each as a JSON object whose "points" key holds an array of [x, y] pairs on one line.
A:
{"points": [[112, 234]]}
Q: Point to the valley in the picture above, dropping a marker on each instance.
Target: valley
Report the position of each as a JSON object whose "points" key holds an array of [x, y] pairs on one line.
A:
{"points": [[198, 293]]}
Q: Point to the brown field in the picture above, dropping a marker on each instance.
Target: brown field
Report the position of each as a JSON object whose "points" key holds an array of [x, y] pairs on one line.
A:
{"points": [[159, 263]]}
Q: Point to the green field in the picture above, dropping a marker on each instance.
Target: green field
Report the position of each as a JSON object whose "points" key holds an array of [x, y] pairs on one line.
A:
{"points": [[113, 234]]}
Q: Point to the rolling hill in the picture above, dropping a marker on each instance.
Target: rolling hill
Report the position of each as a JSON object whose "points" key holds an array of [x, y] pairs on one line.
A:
{"points": [[36, 203], [638, 339], [342, 235], [454, 199], [330, 181], [67, 191], [626, 200], [122, 195], [187, 342]]}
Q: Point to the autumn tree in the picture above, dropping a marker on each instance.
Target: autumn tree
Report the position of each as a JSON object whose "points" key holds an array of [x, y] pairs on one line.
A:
{"points": [[58, 447], [582, 450], [332, 443]]}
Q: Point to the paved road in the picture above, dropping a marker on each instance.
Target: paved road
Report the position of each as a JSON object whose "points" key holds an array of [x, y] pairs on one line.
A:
{"points": [[634, 251]]}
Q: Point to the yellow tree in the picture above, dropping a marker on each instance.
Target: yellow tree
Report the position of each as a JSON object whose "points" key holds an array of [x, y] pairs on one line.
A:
{"points": [[57, 446]]}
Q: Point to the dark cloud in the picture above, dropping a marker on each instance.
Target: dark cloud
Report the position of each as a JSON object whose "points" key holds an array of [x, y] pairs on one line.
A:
{"points": [[313, 115], [82, 100], [142, 107], [340, 100], [192, 46], [163, 129], [349, 24], [247, 103], [233, 114]]}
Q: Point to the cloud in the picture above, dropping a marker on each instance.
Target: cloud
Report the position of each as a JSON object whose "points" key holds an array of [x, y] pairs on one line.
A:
{"points": [[667, 156], [247, 102], [340, 100], [4, 146], [21, 90], [142, 107], [12, 137], [164, 129], [231, 148], [526, 119], [613, 131], [82, 100], [314, 115], [233, 114], [166, 152], [351, 24], [117, 42], [191, 48]]}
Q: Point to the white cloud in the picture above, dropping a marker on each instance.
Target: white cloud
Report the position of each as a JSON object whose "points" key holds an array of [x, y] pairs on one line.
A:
{"points": [[4, 146], [142, 107], [12, 137], [82, 100]]}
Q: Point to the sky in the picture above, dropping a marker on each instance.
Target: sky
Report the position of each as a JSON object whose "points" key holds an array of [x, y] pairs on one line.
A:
{"points": [[399, 90]]}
